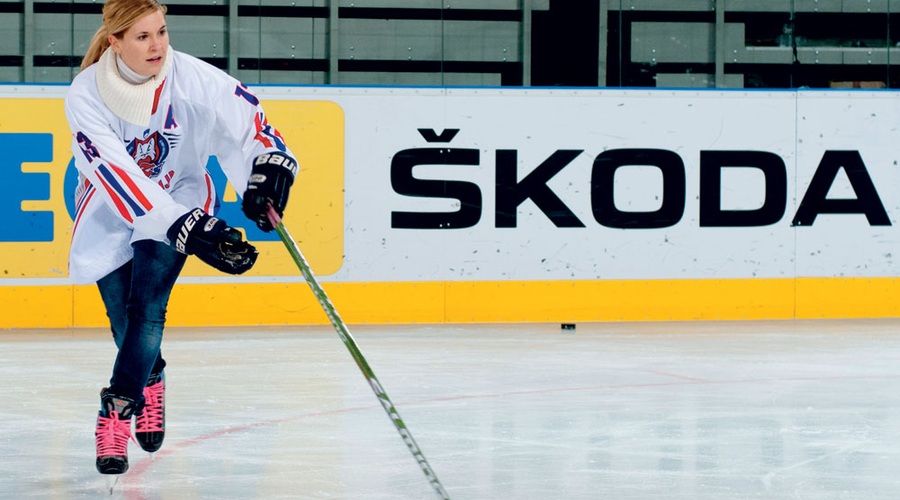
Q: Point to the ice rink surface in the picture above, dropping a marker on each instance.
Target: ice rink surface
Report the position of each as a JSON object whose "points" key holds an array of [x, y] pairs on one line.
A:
{"points": [[737, 410]]}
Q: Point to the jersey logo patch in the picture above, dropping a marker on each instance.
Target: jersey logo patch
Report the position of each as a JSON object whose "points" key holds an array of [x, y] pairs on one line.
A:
{"points": [[150, 153]]}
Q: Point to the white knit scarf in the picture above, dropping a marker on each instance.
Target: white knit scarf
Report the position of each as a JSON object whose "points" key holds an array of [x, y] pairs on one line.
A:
{"points": [[130, 102]]}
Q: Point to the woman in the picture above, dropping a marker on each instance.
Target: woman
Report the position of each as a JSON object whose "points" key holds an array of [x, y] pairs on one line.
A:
{"points": [[144, 121]]}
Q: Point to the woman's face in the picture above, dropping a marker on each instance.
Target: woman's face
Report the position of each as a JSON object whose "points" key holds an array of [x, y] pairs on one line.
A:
{"points": [[143, 46]]}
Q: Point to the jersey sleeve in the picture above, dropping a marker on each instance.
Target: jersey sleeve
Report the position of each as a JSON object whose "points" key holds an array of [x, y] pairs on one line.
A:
{"points": [[242, 133], [101, 157]]}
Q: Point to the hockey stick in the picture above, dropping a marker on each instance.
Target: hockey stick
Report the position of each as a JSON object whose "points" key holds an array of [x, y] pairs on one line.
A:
{"points": [[361, 362]]}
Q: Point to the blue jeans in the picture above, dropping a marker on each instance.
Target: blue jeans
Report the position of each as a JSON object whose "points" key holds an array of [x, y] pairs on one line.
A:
{"points": [[136, 296]]}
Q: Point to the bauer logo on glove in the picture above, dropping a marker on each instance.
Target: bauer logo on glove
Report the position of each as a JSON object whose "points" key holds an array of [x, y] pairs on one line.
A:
{"points": [[277, 159], [213, 242], [270, 182]]}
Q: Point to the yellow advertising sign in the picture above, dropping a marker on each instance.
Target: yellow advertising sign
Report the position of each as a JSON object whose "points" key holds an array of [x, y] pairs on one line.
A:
{"points": [[34, 150], [36, 198]]}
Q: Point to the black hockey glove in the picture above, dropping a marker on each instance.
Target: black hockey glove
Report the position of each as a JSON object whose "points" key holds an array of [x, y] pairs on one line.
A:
{"points": [[212, 241], [270, 182]]}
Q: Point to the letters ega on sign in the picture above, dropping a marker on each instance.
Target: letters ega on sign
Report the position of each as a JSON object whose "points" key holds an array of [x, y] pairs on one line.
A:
{"points": [[510, 192]]}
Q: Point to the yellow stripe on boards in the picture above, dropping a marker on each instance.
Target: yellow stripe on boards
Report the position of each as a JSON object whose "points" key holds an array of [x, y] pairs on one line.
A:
{"points": [[474, 302], [848, 298], [619, 300], [36, 306]]}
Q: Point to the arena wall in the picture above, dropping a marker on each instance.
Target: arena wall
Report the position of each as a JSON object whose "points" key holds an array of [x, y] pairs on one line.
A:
{"points": [[456, 205]]}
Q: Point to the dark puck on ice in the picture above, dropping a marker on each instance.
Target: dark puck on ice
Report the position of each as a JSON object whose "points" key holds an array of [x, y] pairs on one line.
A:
{"points": [[568, 326]]}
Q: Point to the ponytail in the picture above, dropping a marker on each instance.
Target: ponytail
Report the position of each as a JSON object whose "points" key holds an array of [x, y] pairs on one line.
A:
{"points": [[99, 44]]}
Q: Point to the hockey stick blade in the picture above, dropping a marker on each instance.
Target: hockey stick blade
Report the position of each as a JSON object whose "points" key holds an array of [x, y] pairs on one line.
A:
{"points": [[344, 333]]}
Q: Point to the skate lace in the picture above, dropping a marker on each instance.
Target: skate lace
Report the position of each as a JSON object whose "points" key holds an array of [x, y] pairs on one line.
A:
{"points": [[112, 435], [152, 418]]}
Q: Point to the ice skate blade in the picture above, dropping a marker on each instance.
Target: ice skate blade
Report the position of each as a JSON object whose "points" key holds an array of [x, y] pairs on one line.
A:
{"points": [[111, 481]]}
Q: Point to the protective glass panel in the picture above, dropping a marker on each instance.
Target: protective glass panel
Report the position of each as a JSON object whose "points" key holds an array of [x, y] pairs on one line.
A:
{"points": [[749, 43], [605, 43]]}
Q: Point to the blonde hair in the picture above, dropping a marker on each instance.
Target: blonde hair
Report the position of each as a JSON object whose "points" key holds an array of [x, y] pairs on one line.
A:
{"points": [[118, 16]]}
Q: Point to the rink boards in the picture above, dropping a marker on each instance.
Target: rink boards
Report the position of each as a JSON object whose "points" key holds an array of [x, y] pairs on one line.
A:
{"points": [[430, 205]]}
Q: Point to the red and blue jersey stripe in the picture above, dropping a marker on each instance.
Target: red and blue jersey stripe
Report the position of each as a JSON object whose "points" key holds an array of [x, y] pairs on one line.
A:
{"points": [[125, 194], [267, 134]]}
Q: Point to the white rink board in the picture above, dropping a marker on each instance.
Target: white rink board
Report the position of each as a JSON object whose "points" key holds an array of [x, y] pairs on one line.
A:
{"points": [[843, 245], [798, 127]]}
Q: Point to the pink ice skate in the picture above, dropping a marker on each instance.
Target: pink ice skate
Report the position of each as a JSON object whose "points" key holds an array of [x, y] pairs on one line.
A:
{"points": [[112, 433], [150, 426]]}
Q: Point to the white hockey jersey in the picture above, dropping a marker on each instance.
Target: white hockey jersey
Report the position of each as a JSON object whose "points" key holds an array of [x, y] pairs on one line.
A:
{"points": [[141, 153]]}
